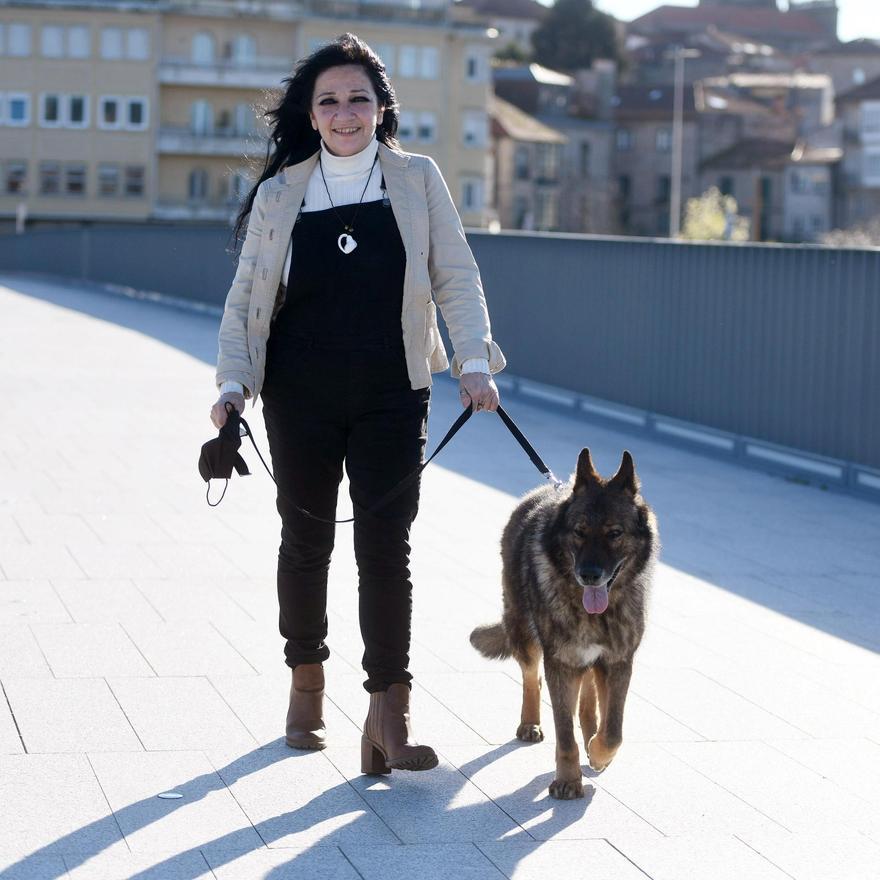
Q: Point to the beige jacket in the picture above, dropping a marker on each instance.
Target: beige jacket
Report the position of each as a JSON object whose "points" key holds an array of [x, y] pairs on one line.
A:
{"points": [[438, 261]]}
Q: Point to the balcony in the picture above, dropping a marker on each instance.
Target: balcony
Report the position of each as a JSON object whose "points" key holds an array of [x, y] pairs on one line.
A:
{"points": [[224, 210], [218, 142], [256, 73]]}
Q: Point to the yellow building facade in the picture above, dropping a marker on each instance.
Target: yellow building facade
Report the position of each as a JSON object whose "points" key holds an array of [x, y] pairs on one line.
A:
{"points": [[154, 111]]}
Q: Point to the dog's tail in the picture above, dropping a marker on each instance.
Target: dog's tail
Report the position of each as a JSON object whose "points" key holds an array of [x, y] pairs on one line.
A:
{"points": [[491, 641]]}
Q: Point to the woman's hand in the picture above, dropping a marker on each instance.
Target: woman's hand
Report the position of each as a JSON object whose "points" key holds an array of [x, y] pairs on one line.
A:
{"points": [[218, 410], [479, 388]]}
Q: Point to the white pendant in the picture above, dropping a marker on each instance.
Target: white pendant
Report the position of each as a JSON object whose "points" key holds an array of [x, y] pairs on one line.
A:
{"points": [[346, 243]]}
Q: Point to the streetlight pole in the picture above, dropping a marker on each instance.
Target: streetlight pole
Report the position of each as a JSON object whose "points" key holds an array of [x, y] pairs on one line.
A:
{"points": [[679, 53]]}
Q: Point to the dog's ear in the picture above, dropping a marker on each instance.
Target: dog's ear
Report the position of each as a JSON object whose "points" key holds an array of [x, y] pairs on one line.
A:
{"points": [[626, 478], [586, 473]]}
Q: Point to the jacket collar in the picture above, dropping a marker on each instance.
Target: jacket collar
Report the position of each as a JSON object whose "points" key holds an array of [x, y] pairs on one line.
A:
{"points": [[294, 174]]}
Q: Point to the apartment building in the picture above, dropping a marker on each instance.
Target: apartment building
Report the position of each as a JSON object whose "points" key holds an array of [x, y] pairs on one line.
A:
{"points": [[78, 110], [140, 110]]}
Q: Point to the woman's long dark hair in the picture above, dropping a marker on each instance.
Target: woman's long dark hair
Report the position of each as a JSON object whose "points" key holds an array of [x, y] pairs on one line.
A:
{"points": [[291, 129]]}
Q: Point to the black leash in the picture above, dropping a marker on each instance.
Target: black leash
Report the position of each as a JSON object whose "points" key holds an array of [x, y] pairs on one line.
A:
{"points": [[520, 438]]}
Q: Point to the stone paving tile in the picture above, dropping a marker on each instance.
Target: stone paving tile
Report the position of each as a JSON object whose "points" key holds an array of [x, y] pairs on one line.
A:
{"points": [[289, 863], [261, 703], [30, 602], [820, 854], [440, 806], [64, 715], [434, 861], [516, 776], [114, 561], [780, 788], [36, 868], [259, 642], [719, 857], [297, 798], [122, 528], [89, 650], [187, 648], [11, 534], [124, 866], [180, 599], [206, 812], [10, 741], [180, 713], [60, 528], [595, 859], [19, 652], [685, 693], [51, 805], [100, 601]]}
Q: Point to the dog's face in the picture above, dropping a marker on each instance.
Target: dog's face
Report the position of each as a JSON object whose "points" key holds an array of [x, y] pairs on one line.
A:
{"points": [[606, 525]]}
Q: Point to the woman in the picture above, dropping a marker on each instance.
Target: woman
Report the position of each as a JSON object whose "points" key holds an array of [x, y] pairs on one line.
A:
{"points": [[330, 318]]}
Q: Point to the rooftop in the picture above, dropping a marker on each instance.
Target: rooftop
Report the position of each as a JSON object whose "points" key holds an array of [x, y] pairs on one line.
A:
{"points": [[520, 126], [732, 19]]}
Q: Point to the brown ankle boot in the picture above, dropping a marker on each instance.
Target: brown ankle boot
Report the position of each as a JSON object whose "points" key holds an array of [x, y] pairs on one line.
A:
{"points": [[305, 716], [387, 743]]}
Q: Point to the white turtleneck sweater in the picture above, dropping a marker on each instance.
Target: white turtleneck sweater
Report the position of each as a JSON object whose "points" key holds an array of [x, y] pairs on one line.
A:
{"points": [[346, 177]]}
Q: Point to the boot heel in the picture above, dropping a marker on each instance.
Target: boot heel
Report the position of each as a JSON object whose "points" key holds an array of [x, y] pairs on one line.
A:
{"points": [[372, 760]]}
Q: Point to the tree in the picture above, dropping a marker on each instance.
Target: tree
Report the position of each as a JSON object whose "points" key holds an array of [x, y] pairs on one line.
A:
{"points": [[573, 35], [512, 52], [713, 217], [865, 236]]}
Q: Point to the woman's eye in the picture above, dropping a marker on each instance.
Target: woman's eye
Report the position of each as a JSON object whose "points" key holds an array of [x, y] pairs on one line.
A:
{"points": [[327, 101]]}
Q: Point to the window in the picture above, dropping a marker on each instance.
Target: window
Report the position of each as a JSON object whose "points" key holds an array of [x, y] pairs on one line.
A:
{"points": [[385, 51], [522, 216], [623, 139], [429, 65], [18, 40], [79, 41], [859, 76], [18, 109], [664, 140], [75, 180], [50, 110], [109, 115], [245, 121], [50, 178], [475, 64], [427, 131], [624, 187], [546, 209], [239, 185], [111, 43], [406, 128], [664, 189], [475, 128], [585, 158], [198, 184], [547, 160], [409, 59], [108, 180], [134, 180], [201, 117], [472, 194], [871, 120], [244, 49], [727, 186], [521, 162], [136, 113], [871, 167], [52, 41], [203, 49], [77, 111], [15, 177], [137, 44]]}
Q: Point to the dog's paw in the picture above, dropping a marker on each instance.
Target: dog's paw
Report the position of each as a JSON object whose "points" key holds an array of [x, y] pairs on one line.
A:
{"points": [[530, 733], [600, 755], [566, 789]]}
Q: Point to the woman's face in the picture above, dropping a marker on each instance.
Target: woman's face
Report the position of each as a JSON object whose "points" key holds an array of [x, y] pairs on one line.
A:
{"points": [[345, 110]]}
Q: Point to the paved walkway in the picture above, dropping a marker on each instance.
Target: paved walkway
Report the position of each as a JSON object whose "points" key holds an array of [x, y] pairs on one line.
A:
{"points": [[139, 651]]}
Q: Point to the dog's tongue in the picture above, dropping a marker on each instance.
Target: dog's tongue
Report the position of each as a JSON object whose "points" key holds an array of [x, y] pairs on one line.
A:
{"points": [[595, 599]]}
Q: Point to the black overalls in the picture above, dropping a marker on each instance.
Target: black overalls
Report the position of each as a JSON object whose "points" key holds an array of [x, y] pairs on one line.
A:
{"points": [[337, 388]]}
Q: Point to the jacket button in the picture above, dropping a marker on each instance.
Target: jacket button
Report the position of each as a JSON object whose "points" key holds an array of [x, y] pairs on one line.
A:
{"points": [[271, 234], [265, 272], [278, 197]]}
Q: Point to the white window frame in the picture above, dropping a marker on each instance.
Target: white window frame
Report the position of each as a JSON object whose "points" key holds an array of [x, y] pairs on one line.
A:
{"points": [[68, 166], [408, 59], [663, 140], [47, 29], [430, 117], [40, 169], [68, 116], [14, 96], [429, 62], [386, 52], [478, 55], [11, 163], [15, 32], [70, 44], [62, 106], [479, 185], [475, 122], [207, 39], [871, 167], [120, 112], [129, 100], [131, 49], [869, 123], [242, 44], [208, 129], [107, 50], [125, 175], [118, 191], [408, 121]]}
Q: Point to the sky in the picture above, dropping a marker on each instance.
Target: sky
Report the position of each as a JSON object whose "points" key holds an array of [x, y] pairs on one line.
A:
{"points": [[855, 19]]}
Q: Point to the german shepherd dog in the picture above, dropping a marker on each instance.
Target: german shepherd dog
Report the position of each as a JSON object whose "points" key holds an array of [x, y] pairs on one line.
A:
{"points": [[577, 565]]}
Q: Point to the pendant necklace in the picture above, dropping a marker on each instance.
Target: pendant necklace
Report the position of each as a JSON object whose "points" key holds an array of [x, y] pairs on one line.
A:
{"points": [[346, 240]]}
